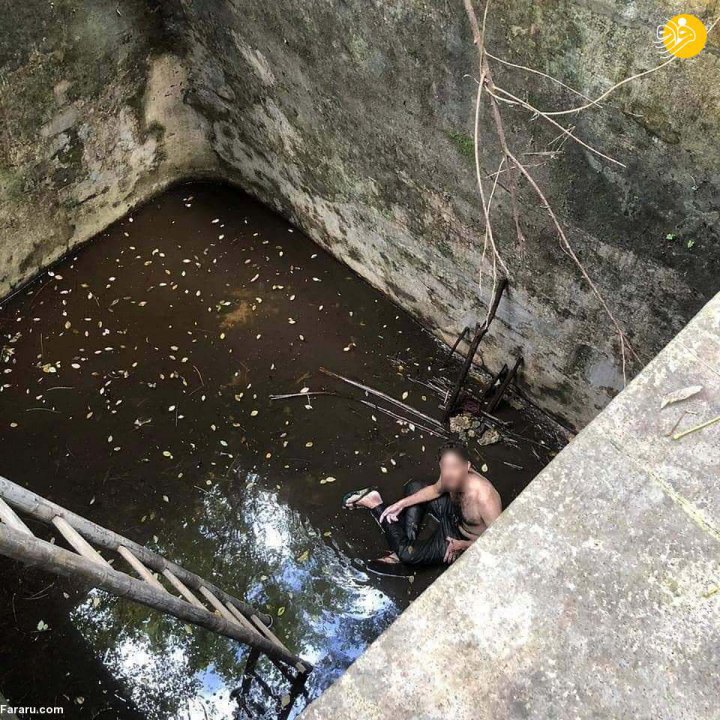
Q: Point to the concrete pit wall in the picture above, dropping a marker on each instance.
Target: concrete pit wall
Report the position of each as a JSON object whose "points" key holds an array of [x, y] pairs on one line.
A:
{"points": [[92, 123], [354, 119]]}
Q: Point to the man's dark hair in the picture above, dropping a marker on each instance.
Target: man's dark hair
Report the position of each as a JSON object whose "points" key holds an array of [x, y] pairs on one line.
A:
{"points": [[454, 446]]}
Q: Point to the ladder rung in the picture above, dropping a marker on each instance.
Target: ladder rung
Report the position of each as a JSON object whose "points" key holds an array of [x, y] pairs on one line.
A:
{"points": [[183, 589], [139, 568], [10, 518], [78, 541], [270, 635], [241, 618], [219, 606]]}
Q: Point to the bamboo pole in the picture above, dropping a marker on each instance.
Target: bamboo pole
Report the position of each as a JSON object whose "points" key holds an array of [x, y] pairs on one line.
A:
{"points": [[219, 606], [18, 546], [241, 618], [302, 668], [499, 376], [9, 517], [461, 337], [367, 403], [41, 509], [270, 635]]}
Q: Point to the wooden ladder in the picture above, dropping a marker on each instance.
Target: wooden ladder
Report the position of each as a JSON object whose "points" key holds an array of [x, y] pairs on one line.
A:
{"points": [[227, 615]]}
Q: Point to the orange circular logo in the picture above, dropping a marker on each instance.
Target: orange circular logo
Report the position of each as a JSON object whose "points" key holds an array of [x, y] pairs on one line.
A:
{"points": [[683, 36]]}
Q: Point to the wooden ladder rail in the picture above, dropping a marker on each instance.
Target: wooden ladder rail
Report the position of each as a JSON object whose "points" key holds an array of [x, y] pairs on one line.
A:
{"points": [[18, 542]]}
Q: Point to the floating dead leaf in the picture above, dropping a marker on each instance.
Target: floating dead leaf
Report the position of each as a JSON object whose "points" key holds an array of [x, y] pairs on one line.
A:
{"points": [[303, 557]]}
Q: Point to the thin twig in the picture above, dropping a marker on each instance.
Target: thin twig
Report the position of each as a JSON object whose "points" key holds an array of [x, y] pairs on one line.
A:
{"points": [[539, 72], [367, 403], [545, 116], [611, 90], [486, 82], [624, 342], [696, 428], [382, 395]]}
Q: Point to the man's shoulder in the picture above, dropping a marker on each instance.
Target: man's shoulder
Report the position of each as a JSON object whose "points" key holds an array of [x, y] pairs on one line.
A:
{"points": [[480, 485]]}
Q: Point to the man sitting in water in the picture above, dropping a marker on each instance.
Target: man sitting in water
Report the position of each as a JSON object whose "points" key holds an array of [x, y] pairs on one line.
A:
{"points": [[463, 502]]}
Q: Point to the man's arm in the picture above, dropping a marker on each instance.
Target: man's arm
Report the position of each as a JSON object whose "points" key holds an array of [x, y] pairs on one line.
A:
{"points": [[429, 492], [490, 507]]}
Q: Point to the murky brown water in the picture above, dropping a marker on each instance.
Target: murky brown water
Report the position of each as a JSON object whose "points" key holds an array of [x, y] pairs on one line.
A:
{"points": [[136, 386]]}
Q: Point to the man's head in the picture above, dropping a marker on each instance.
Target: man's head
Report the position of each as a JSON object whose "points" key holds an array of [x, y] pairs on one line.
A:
{"points": [[454, 464]]}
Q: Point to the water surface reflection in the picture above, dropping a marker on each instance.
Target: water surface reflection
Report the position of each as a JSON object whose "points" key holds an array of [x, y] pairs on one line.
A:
{"points": [[135, 391]]}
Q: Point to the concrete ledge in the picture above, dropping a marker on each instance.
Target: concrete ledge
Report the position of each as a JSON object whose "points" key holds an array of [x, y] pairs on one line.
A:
{"points": [[596, 595]]}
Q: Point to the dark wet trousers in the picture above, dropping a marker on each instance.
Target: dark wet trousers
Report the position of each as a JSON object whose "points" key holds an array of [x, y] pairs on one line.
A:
{"points": [[402, 535]]}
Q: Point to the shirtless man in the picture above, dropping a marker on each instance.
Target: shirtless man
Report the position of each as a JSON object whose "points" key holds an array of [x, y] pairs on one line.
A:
{"points": [[463, 502]]}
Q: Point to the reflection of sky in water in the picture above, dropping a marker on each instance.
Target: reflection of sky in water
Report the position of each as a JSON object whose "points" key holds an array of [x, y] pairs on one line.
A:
{"points": [[328, 610]]}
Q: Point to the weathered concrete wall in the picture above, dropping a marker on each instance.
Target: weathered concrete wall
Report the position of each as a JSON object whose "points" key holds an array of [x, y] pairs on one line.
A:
{"points": [[91, 123], [354, 119], [596, 595]]}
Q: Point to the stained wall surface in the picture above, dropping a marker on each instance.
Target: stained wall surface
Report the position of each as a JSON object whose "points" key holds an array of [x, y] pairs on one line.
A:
{"points": [[355, 120]]}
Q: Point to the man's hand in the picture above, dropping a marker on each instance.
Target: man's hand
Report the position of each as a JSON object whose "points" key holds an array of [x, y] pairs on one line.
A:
{"points": [[454, 548], [392, 512]]}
